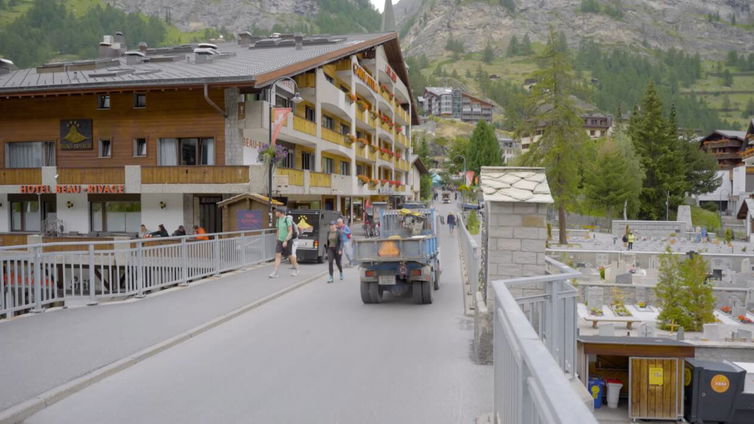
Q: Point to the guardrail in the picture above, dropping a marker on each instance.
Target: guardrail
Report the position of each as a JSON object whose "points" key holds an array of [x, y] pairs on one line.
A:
{"points": [[32, 278], [534, 349]]}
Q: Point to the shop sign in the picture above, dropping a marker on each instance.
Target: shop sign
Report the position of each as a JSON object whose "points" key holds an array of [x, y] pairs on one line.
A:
{"points": [[248, 219], [720, 383], [655, 376], [76, 134], [391, 73], [73, 188]]}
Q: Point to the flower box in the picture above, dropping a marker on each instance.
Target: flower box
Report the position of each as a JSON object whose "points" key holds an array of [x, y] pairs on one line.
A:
{"points": [[597, 312], [726, 309], [744, 319], [384, 182], [363, 105], [363, 178], [352, 97], [363, 140], [350, 138], [397, 155]]}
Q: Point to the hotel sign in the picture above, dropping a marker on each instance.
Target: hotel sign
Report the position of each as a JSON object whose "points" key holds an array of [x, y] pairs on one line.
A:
{"points": [[76, 134], [391, 73], [73, 188]]}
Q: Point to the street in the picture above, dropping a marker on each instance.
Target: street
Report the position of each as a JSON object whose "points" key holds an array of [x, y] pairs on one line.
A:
{"points": [[314, 355]]}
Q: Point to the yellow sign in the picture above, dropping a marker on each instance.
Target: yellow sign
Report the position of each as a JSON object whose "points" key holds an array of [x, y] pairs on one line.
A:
{"points": [[655, 376], [687, 376], [720, 383]]}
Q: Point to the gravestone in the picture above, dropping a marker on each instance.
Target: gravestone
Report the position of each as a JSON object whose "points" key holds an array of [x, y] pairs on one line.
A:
{"points": [[595, 297], [746, 265], [602, 259], [743, 335], [684, 215], [711, 332], [654, 262], [738, 307], [646, 330], [626, 278]]}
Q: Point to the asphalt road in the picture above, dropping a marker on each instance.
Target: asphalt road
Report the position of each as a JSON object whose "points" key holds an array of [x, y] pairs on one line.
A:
{"points": [[315, 355]]}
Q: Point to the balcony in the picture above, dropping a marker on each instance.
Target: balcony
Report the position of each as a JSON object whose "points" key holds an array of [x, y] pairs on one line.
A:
{"points": [[727, 155], [195, 175], [304, 126], [334, 137], [402, 140], [295, 176], [319, 179], [18, 176], [402, 115], [93, 175], [333, 99]]}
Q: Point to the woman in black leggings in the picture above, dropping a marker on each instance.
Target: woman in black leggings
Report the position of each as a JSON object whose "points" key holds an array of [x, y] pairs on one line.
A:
{"points": [[334, 249]]}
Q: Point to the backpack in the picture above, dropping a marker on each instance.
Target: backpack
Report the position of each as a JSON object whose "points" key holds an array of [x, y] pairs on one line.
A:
{"points": [[625, 238], [294, 227]]}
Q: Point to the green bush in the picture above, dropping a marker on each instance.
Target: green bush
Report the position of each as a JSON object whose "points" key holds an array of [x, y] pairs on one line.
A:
{"points": [[704, 218], [710, 206], [472, 223]]}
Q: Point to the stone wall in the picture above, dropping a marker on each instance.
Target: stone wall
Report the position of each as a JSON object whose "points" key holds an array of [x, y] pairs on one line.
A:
{"points": [[603, 294], [650, 228], [516, 240], [742, 353]]}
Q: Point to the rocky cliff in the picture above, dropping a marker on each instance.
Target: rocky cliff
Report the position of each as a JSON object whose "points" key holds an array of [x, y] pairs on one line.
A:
{"points": [[708, 27]]}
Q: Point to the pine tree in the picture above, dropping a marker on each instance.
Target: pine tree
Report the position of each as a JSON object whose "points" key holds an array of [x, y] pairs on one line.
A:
{"points": [[489, 54], [727, 78], [483, 148], [748, 112], [732, 59], [656, 141], [671, 293], [526, 48], [726, 104], [513, 49], [509, 5], [563, 137], [468, 73], [699, 301]]}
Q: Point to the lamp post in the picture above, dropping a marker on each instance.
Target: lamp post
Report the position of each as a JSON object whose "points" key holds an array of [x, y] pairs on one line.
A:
{"points": [[296, 99]]}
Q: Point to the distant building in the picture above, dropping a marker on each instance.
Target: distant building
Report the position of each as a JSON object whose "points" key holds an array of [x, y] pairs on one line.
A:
{"points": [[726, 146], [447, 102], [596, 125], [509, 147]]}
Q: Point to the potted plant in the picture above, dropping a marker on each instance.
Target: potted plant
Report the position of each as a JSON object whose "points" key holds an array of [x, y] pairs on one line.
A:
{"points": [[602, 272], [350, 138], [363, 178], [363, 141], [598, 312], [727, 309], [744, 319], [352, 97], [272, 154], [384, 181]]}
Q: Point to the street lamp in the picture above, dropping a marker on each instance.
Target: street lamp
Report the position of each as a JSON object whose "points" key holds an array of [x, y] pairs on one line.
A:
{"points": [[296, 99]]}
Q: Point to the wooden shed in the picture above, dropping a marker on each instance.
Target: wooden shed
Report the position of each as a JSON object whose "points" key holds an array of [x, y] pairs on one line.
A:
{"points": [[650, 368], [246, 211]]}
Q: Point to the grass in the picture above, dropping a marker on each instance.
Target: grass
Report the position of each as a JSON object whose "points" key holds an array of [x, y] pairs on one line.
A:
{"points": [[704, 218]]}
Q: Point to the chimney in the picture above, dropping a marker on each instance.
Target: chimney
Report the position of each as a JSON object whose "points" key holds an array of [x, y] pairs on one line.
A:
{"points": [[120, 40], [143, 47], [105, 47], [6, 65], [244, 38], [299, 38]]}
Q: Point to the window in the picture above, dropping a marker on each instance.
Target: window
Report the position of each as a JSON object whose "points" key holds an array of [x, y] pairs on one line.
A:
{"points": [[103, 101], [105, 150], [30, 154], [186, 151], [345, 129], [24, 216], [140, 147], [360, 169], [345, 168], [309, 114], [327, 165], [289, 161], [116, 216], [140, 100], [592, 132], [327, 122], [306, 160]]}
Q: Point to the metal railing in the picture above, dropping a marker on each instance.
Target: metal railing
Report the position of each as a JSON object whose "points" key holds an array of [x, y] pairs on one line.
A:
{"points": [[534, 349], [470, 254], [36, 276]]}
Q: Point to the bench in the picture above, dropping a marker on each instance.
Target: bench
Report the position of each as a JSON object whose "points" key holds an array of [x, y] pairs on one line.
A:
{"points": [[629, 321]]}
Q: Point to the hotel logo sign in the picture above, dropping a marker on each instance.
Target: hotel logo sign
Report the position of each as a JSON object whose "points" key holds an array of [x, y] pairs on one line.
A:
{"points": [[76, 134]]}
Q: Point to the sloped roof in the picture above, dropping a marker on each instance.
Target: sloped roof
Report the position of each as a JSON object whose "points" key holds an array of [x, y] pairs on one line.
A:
{"points": [[738, 135], [515, 184], [252, 196], [746, 206]]}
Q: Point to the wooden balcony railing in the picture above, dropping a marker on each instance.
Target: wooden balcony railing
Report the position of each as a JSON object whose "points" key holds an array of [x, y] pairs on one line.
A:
{"points": [[295, 176], [16, 176], [92, 175], [747, 153], [318, 179], [194, 174], [305, 126]]}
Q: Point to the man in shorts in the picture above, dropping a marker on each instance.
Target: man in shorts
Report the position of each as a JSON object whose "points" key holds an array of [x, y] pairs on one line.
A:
{"points": [[283, 246]]}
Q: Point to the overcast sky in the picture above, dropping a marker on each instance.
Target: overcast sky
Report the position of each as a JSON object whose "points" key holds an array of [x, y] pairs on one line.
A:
{"points": [[379, 3]]}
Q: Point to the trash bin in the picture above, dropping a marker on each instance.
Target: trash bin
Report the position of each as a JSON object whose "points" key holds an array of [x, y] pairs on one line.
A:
{"points": [[613, 392], [597, 389]]}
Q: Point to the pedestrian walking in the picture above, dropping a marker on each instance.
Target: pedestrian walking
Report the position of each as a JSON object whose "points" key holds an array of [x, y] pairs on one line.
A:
{"points": [[451, 222], [631, 238], [334, 249], [345, 237], [283, 246], [292, 258]]}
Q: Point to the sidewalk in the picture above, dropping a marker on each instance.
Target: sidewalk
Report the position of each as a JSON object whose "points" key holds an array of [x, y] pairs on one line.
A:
{"points": [[44, 351]]}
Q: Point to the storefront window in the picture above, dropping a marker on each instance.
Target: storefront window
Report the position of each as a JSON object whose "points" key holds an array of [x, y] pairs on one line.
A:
{"points": [[25, 216], [116, 216], [187, 151]]}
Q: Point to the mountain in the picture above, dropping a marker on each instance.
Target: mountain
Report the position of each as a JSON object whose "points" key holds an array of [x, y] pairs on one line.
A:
{"points": [[708, 27]]}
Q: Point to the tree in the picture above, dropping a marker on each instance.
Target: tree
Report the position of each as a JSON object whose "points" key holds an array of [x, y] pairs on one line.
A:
{"points": [[483, 148], [509, 5], [615, 178], [563, 135], [726, 104], [748, 112], [701, 169], [727, 78], [732, 58], [655, 139], [671, 293], [512, 47], [525, 48], [488, 55], [699, 301]]}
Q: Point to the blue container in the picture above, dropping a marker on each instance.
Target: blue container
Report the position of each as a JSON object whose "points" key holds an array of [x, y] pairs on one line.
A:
{"points": [[597, 390]]}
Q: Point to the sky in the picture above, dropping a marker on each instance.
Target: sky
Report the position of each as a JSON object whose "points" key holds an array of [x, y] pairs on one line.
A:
{"points": [[379, 3]]}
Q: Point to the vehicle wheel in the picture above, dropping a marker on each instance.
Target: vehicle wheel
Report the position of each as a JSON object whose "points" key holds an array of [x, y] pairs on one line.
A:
{"points": [[426, 289], [365, 293], [374, 293], [416, 292]]}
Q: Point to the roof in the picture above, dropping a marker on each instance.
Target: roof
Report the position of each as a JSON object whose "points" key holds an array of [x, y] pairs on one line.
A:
{"points": [[251, 196], [655, 347], [642, 341], [438, 91], [420, 166], [737, 135], [236, 65], [514, 184], [746, 206]]}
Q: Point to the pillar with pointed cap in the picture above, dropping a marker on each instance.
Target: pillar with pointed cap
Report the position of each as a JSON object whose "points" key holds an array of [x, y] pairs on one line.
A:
{"points": [[388, 17]]}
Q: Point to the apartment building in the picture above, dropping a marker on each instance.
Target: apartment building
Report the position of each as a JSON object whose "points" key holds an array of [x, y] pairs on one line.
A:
{"points": [[596, 125], [447, 102], [161, 135]]}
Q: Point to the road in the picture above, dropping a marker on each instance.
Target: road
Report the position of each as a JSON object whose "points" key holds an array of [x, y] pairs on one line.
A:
{"points": [[315, 355]]}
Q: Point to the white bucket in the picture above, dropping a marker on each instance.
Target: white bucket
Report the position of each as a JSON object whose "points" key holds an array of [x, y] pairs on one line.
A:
{"points": [[613, 391]]}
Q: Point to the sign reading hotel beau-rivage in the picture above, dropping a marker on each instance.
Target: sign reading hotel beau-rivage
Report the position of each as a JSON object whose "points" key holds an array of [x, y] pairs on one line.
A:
{"points": [[76, 134]]}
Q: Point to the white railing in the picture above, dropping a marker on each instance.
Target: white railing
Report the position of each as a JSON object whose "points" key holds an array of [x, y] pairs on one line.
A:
{"points": [[535, 350], [36, 276]]}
